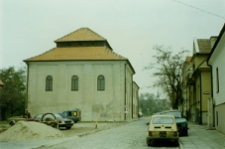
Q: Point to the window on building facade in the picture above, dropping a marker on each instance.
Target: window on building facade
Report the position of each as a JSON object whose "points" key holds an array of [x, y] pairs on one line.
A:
{"points": [[101, 83], [217, 80], [74, 83], [48, 82]]}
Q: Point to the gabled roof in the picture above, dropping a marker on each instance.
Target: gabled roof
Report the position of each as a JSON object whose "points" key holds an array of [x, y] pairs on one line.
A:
{"points": [[77, 53], [202, 46], [82, 34]]}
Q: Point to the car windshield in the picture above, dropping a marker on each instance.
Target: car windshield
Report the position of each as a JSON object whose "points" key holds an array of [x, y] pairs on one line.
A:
{"points": [[174, 113], [162, 120]]}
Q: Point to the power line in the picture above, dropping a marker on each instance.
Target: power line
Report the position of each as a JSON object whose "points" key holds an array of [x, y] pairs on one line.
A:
{"points": [[199, 9]]}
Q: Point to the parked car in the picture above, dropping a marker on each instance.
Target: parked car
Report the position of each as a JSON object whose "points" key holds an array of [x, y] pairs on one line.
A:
{"points": [[54, 120], [74, 115], [46, 118], [64, 122], [162, 127], [182, 123]]}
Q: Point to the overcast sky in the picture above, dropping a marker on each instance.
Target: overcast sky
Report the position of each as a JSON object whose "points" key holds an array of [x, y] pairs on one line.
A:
{"points": [[132, 27]]}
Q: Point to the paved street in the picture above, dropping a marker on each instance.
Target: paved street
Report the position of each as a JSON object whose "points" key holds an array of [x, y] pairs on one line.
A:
{"points": [[121, 136], [131, 135], [128, 136]]}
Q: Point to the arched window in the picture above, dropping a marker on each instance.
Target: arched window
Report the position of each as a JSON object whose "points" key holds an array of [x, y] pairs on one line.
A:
{"points": [[74, 83], [101, 83], [48, 82]]}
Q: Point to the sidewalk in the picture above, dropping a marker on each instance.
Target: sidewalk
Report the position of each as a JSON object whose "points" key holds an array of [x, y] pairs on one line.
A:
{"points": [[201, 138]]}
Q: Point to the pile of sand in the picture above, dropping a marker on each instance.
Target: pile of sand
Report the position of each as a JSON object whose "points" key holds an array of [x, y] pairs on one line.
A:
{"points": [[24, 130]]}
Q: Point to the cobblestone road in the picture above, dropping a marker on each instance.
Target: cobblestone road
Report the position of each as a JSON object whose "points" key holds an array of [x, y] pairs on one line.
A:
{"points": [[127, 136]]}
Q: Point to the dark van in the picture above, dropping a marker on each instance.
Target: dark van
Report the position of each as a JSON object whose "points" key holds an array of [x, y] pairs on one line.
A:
{"points": [[74, 115]]}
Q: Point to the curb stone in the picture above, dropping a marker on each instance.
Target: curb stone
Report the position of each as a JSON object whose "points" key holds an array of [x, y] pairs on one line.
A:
{"points": [[181, 145]]}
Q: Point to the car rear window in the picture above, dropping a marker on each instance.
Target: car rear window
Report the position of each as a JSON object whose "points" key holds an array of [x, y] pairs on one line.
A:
{"points": [[162, 120]]}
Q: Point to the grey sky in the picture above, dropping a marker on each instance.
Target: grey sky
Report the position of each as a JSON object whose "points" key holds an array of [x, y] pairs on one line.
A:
{"points": [[132, 27]]}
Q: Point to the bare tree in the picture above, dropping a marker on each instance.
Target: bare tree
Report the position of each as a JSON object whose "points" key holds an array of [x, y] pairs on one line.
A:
{"points": [[168, 69]]}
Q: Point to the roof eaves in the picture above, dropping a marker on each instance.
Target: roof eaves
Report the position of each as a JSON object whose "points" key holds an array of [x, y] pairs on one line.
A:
{"points": [[83, 60], [55, 60], [30, 59], [131, 66], [136, 84], [216, 43]]}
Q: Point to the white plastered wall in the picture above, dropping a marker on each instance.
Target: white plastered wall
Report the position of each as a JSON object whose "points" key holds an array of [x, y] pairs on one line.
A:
{"points": [[87, 98]]}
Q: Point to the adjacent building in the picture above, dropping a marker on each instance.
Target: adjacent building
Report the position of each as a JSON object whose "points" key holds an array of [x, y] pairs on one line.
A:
{"points": [[216, 61], [82, 72], [199, 82]]}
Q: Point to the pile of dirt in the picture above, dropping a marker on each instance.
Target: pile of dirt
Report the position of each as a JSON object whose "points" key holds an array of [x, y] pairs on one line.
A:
{"points": [[25, 130]]}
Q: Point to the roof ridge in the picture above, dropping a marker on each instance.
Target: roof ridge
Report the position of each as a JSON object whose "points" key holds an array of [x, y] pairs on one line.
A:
{"points": [[79, 30]]}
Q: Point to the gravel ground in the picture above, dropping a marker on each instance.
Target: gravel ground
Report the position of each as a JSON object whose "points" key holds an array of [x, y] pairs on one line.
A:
{"points": [[130, 135]]}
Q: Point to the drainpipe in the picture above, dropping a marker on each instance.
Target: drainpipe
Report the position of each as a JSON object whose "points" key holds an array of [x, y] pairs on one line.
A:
{"points": [[200, 109], [213, 115], [125, 90], [132, 98]]}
